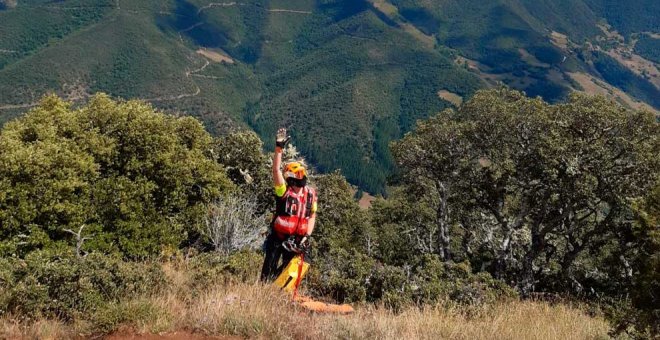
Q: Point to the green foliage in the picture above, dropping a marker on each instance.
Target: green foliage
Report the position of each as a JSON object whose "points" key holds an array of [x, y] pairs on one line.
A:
{"points": [[340, 223], [620, 76], [346, 78], [354, 277], [544, 189], [540, 195], [627, 18], [241, 154], [645, 303], [131, 313], [59, 285], [29, 27], [138, 179], [649, 48], [212, 268]]}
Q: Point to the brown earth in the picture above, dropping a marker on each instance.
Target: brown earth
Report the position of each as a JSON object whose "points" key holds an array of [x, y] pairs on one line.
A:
{"points": [[530, 59], [559, 40], [180, 335], [594, 86], [637, 64], [215, 56], [451, 97], [366, 200]]}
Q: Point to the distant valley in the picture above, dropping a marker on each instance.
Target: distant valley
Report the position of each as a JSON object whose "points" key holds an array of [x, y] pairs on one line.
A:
{"points": [[345, 76]]}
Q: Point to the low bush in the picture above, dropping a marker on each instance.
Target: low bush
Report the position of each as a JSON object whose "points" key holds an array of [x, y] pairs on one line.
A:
{"points": [[136, 314], [210, 269], [60, 285], [355, 277]]}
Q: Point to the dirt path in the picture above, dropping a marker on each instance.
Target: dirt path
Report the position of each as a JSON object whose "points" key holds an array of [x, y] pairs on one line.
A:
{"points": [[231, 4], [17, 106], [181, 335], [217, 4], [275, 10], [188, 74]]}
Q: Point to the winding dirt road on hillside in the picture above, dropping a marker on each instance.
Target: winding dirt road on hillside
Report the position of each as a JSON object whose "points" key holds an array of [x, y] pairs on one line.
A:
{"points": [[188, 74]]}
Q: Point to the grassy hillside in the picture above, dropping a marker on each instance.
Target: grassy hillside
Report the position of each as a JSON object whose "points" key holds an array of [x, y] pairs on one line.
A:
{"points": [[649, 48], [346, 76], [258, 311]]}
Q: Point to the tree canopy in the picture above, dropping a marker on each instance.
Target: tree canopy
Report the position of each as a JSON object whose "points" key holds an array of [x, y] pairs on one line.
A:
{"points": [[134, 177], [544, 191]]}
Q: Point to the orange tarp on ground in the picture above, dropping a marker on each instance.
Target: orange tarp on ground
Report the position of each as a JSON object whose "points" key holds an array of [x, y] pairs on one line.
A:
{"points": [[322, 307]]}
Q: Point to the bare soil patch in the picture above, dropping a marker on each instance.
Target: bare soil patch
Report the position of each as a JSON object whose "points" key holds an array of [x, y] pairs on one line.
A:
{"points": [[559, 40], [597, 87], [385, 7], [530, 59], [637, 64], [451, 97], [215, 56], [366, 200], [182, 335], [389, 10]]}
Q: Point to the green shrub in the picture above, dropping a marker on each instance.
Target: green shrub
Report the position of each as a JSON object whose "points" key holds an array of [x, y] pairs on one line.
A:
{"points": [[61, 285], [137, 179], [135, 313], [355, 277], [210, 269]]}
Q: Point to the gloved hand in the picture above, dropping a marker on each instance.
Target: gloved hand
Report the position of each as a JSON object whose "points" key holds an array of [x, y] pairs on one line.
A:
{"points": [[305, 243], [281, 140]]}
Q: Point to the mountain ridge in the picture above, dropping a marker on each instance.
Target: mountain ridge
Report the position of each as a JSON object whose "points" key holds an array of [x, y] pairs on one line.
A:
{"points": [[346, 76]]}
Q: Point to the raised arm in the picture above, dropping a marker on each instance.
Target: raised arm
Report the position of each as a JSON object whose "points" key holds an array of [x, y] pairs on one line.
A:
{"points": [[280, 143]]}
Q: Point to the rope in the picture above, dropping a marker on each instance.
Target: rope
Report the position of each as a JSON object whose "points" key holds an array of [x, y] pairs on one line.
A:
{"points": [[300, 268]]}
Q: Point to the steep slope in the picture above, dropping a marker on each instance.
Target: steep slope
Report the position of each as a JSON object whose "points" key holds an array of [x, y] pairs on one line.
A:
{"points": [[515, 41], [346, 76]]}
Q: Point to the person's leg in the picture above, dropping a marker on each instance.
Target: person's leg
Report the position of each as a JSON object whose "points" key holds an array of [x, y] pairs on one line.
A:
{"points": [[286, 258], [273, 252]]}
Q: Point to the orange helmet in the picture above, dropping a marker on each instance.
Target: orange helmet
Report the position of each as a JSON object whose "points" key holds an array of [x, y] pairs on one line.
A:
{"points": [[295, 170]]}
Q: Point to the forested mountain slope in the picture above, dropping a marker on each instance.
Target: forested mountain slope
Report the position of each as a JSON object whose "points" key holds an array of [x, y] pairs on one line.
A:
{"points": [[346, 76]]}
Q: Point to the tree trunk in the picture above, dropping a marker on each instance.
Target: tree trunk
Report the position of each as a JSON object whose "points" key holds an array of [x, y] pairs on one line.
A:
{"points": [[442, 217], [527, 282]]}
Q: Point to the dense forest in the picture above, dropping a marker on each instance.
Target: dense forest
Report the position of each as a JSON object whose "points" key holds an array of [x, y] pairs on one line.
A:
{"points": [[506, 197], [347, 76], [649, 48]]}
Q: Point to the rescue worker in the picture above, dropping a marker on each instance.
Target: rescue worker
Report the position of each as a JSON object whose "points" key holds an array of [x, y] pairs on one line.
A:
{"points": [[295, 213]]}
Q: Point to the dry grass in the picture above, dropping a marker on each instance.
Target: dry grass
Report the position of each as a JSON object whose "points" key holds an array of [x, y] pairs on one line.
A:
{"points": [[451, 97], [215, 56], [559, 40], [257, 311], [596, 87], [42, 329]]}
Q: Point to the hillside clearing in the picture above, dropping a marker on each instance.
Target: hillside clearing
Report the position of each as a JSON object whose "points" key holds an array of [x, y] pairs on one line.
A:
{"points": [[391, 11], [215, 56], [559, 40], [591, 86], [256, 311], [637, 64], [451, 97], [366, 200]]}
